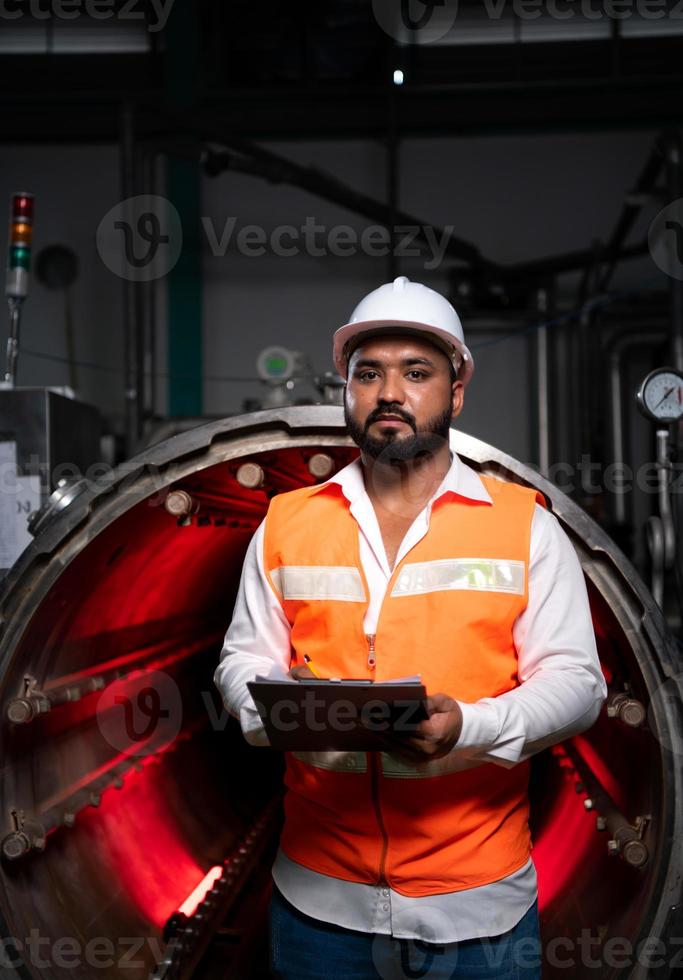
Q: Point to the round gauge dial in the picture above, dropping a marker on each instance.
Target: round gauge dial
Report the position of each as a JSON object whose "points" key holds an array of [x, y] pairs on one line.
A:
{"points": [[661, 395]]}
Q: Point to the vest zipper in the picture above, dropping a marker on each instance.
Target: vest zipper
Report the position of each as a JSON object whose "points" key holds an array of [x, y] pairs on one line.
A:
{"points": [[374, 772], [372, 659]]}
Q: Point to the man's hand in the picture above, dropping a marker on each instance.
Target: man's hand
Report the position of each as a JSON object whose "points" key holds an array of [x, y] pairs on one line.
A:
{"points": [[302, 672], [432, 738]]}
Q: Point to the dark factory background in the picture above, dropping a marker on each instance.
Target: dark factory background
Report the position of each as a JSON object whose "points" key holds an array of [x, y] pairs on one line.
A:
{"points": [[214, 186], [524, 137]]}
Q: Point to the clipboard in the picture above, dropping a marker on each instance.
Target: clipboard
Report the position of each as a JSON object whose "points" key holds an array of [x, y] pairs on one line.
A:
{"points": [[337, 715]]}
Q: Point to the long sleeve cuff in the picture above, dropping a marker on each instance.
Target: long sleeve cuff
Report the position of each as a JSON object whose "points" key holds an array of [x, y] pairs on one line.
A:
{"points": [[481, 731], [231, 680], [252, 727], [546, 709]]}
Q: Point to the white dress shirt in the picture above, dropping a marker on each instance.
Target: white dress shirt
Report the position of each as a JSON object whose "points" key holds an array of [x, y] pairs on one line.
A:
{"points": [[560, 693]]}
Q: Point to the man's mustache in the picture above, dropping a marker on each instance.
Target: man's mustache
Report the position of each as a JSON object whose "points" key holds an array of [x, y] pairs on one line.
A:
{"points": [[379, 412]]}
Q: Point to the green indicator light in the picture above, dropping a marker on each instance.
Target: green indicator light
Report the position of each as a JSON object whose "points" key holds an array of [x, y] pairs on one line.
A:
{"points": [[19, 257], [276, 365]]}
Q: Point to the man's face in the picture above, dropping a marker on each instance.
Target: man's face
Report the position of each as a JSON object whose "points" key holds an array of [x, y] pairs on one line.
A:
{"points": [[399, 398]]}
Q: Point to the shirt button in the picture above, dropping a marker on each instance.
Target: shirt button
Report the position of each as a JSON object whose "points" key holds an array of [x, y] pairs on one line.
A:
{"points": [[385, 892], [385, 908]]}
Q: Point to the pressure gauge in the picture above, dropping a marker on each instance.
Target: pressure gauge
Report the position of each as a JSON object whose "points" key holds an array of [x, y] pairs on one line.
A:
{"points": [[660, 397]]}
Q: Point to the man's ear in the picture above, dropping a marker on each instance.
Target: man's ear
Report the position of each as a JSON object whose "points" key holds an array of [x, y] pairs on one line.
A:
{"points": [[457, 397]]}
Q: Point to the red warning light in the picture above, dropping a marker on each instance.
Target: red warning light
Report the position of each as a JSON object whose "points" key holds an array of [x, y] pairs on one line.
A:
{"points": [[22, 206]]}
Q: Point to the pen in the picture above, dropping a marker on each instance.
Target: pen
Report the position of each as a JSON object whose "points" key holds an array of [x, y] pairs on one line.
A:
{"points": [[309, 664]]}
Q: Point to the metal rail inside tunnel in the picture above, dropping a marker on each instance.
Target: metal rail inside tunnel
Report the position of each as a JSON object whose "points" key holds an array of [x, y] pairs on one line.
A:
{"points": [[108, 828]]}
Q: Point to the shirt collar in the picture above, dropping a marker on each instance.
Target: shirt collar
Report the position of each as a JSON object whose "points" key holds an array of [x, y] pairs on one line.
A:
{"points": [[460, 479]]}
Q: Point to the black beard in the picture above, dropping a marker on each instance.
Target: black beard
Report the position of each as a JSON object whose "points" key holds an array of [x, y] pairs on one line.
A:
{"points": [[394, 449]]}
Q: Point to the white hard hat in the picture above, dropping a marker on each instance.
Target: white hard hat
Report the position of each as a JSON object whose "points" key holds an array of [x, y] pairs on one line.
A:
{"points": [[409, 306]]}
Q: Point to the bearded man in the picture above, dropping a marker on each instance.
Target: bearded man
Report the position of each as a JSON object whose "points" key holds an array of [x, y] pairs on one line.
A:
{"points": [[413, 861]]}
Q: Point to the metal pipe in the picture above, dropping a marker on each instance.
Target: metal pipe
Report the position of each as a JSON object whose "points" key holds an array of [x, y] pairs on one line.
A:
{"points": [[130, 318], [674, 160], [585, 421], [661, 534], [253, 159], [13, 340], [149, 177], [249, 158], [542, 386], [570, 261], [151, 359], [663, 493], [392, 183], [616, 350], [631, 209]]}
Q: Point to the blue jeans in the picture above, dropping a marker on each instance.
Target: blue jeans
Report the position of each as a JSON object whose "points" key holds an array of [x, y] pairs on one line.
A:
{"points": [[302, 948]]}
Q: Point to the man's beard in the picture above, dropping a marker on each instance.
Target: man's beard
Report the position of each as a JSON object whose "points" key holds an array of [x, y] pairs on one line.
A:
{"points": [[394, 448]]}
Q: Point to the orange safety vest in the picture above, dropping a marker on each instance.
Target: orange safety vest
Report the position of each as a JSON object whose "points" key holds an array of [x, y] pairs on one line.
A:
{"points": [[448, 613]]}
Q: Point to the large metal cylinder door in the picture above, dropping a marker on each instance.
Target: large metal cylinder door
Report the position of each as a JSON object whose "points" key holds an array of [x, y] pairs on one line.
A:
{"points": [[138, 827]]}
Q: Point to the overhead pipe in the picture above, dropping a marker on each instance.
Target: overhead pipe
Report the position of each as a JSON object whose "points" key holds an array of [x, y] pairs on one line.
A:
{"points": [[249, 158], [246, 157], [631, 209]]}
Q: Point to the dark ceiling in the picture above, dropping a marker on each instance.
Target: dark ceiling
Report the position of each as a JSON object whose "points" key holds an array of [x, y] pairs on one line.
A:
{"points": [[325, 68]]}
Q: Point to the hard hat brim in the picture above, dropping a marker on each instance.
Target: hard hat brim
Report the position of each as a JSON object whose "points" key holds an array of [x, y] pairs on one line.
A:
{"points": [[445, 341]]}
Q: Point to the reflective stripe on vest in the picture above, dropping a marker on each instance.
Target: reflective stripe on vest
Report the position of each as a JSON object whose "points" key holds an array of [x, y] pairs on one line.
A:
{"points": [[392, 767], [319, 582], [487, 574], [346, 585], [334, 761]]}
